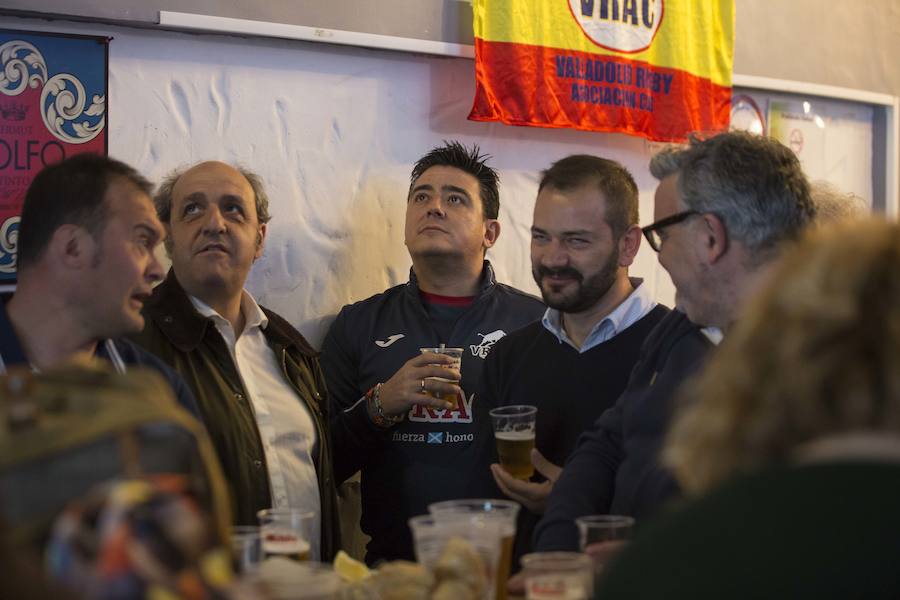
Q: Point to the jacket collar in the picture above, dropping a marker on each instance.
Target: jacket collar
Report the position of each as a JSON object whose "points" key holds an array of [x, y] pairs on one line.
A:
{"points": [[172, 311], [485, 286]]}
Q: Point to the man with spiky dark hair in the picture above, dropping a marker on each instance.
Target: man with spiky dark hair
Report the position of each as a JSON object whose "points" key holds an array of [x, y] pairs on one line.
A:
{"points": [[412, 446]]}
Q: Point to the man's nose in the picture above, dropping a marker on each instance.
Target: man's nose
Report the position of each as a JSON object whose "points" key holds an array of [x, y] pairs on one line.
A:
{"points": [[155, 271], [215, 221], [436, 207], [555, 255]]}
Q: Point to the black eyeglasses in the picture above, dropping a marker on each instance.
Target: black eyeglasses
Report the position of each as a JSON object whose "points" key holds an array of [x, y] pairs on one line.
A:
{"points": [[651, 231]]}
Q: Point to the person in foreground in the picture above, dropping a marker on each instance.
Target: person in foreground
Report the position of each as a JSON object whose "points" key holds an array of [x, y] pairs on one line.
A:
{"points": [[257, 381], [789, 444], [724, 208], [85, 268]]}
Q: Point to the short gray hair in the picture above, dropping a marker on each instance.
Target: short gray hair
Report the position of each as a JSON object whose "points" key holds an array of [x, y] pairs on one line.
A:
{"points": [[754, 184], [834, 206], [163, 198], [666, 162]]}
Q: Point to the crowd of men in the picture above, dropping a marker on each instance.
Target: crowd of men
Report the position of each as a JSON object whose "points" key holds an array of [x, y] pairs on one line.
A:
{"points": [[596, 354]]}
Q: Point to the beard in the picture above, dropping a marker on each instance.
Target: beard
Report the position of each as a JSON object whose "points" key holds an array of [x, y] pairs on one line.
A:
{"points": [[588, 290]]}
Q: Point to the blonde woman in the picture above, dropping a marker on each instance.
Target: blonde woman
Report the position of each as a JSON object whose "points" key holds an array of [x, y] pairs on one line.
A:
{"points": [[790, 440]]}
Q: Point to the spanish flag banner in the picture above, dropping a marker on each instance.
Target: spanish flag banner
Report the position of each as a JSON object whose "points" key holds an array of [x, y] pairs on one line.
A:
{"points": [[658, 69]]}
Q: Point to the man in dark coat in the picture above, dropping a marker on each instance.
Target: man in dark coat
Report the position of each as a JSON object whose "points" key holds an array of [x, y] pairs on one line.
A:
{"points": [[257, 381]]}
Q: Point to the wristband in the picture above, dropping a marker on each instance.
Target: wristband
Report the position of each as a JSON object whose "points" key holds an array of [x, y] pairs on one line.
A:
{"points": [[373, 398]]}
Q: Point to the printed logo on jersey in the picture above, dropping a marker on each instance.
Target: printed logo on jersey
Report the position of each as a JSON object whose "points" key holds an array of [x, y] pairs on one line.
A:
{"points": [[391, 339], [433, 437], [461, 413], [487, 341]]}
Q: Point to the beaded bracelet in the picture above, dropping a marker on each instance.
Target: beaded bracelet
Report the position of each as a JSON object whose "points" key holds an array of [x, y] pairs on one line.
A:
{"points": [[373, 397]]}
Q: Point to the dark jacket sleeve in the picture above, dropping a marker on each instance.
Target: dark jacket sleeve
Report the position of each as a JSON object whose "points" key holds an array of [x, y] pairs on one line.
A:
{"points": [[586, 484], [355, 439]]}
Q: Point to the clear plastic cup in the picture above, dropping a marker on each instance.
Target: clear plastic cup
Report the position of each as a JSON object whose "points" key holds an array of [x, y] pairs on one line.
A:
{"points": [[456, 355], [286, 532], [596, 529], [246, 549], [558, 576], [431, 534], [514, 431], [601, 536], [284, 579], [504, 513]]}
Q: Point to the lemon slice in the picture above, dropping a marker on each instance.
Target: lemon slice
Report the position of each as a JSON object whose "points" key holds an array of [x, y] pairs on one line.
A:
{"points": [[350, 569]]}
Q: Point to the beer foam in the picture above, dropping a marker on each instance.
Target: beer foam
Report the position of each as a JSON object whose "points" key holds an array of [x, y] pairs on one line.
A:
{"points": [[285, 546], [514, 436]]}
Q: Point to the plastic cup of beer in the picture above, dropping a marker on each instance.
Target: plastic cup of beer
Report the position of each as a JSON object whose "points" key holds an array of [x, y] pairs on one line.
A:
{"points": [[286, 532], [456, 355], [432, 532], [504, 513], [563, 575], [289, 580], [514, 433], [246, 549], [602, 529]]}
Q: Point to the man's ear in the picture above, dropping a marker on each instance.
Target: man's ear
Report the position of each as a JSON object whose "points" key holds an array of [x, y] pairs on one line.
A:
{"points": [[167, 241], [72, 246], [715, 237], [491, 232], [629, 244], [260, 240]]}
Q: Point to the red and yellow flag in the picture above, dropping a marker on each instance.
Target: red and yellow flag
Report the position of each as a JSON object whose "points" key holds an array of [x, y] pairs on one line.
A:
{"points": [[658, 69]]}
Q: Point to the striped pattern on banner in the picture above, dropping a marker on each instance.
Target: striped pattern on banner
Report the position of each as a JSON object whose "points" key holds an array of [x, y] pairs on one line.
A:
{"points": [[659, 69]]}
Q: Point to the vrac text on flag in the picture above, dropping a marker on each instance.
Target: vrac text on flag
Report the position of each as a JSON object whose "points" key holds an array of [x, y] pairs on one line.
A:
{"points": [[658, 69]]}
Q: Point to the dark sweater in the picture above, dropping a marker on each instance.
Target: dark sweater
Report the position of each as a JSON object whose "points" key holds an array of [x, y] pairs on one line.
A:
{"points": [[614, 468], [823, 531], [570, 389]]}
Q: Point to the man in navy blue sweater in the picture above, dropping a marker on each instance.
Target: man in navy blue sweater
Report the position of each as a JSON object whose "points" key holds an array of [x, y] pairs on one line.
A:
{"points": [[723, 209], [574, 363], [85, 267]]}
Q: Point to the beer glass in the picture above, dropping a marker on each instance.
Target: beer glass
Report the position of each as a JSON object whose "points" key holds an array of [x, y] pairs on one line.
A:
{"points": [[567, 575], [504, 513], [602, 529], [456, 355], [431, 534], [286, 532], [246, 549], [514, 433], [595, 529]]}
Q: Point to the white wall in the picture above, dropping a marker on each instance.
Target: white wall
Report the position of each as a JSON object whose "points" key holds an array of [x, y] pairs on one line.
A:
{"points": [[333, 131]]}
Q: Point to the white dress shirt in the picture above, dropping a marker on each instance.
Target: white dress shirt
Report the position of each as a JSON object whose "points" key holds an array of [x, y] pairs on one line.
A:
{"points": [[286, 428], [630, 311]]}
